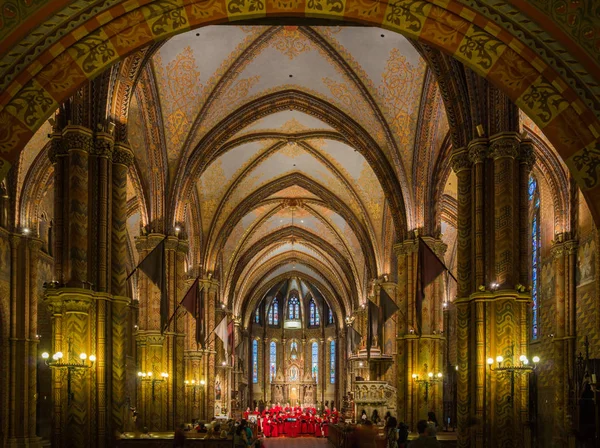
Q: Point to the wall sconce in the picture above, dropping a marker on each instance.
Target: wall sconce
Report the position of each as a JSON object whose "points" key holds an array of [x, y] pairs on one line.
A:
{"points": [[428, 380], [510, 370], [147, 376], [75, 365], [194, 385], [494, 286]]}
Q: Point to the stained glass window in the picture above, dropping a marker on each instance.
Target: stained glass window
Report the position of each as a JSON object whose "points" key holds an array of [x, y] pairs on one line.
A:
{"points": [[315, 361], [332, 362], [294, 308], [255, 361], [273, 361], [273, 316], [330, 317], [534, 205], [257, 316], [294, 349], [313, 314]]}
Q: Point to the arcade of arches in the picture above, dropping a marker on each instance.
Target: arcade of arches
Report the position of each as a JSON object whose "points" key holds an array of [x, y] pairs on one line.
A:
{"points": [[292, 163]]}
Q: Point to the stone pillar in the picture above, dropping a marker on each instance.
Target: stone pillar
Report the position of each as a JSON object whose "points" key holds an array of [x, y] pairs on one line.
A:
{"points": [[492, 317], [414, 351], [211, 288], [22, 368]]}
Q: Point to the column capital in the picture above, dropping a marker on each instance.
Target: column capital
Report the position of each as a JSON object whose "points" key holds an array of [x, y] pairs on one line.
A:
{"points": [[460, 160], [77, 137], [527, 154], [505, 145], [103, 145], [478, 150], [122, 154]]}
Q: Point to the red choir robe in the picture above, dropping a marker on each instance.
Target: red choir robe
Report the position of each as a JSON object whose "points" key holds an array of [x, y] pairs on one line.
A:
{"points": [[303, 425], [325, 428], [318, 429], [311, 425], [274, 428], [266, 427]]}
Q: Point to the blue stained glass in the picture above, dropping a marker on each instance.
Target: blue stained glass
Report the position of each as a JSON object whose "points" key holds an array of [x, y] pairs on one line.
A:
{"points": [[330, 317], [257, 316], [255, 361], [332, 362], [273, 360], [273, 315], [534, 204], [294, 308], [313, 314], [315, 361]]}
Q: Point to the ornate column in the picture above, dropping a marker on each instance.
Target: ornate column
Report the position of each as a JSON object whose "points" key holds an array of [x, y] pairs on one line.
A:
{"points": [[122, 157], [211, 288], [491, 309], [414, 351], [22, 368]]}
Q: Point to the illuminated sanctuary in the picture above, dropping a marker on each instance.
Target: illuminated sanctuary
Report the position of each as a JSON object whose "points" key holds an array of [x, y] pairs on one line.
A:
{"points": [[210, 206]]}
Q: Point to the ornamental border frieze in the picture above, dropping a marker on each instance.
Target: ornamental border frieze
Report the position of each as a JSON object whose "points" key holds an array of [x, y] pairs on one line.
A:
{"points": [[509, 19]]}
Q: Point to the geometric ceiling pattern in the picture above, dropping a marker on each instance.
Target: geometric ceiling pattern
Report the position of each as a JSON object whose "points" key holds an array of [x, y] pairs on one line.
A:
{"points": [[285, 192]]}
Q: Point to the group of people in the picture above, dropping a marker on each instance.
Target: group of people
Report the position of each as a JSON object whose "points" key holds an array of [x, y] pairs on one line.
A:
{"points": [[395, 434], [288, 421]]}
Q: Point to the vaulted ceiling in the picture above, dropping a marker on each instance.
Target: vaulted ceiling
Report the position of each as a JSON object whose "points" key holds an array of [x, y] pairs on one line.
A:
{"points": [[285, 149]]}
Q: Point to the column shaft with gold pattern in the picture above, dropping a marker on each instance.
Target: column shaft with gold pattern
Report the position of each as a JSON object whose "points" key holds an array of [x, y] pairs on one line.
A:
{"points": [[23, 342], [492, 309], [211, 288], [418, 353], [161, 399], [88, 301]]}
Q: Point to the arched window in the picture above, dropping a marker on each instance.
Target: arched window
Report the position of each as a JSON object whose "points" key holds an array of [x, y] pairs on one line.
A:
{"points": [[273, 361], [255, 361], [313, 313], [257, 315], [294, 350], [294, 308], [534, 207], [315, 361], [332, 362], [273, 317], [330, 317]]}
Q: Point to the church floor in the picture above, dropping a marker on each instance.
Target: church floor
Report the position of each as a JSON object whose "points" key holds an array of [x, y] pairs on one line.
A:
{"points": [[297, 442]]}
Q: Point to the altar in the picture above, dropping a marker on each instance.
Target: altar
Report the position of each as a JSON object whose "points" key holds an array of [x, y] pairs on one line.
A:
{"points": [[294, 386]]}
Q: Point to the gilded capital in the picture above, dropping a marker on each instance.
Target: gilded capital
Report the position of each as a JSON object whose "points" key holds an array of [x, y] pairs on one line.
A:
{"points": [[77, 137], [527, 155], [478, 150], [122, 154], [505, 145], [460, 161]]}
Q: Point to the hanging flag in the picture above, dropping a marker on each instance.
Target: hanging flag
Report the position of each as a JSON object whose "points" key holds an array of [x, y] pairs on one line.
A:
{"points": [[230, 341], [354, 338], [190, 300], [221, 332], [201, 319], [241, 351], [387, 306], [372, 327], [430, 267], [154, 268]]}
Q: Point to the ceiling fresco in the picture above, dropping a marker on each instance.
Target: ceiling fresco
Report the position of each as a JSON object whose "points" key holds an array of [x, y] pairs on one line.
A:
{"points": [[288, 181]]}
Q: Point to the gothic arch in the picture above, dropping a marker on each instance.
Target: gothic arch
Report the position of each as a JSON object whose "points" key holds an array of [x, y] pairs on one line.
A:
{"points": [[355, 136], [300, 180], [253, 298]]}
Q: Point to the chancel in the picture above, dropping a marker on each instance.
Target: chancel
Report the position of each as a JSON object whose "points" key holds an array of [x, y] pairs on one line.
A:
{"points": [[339, 222]]}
